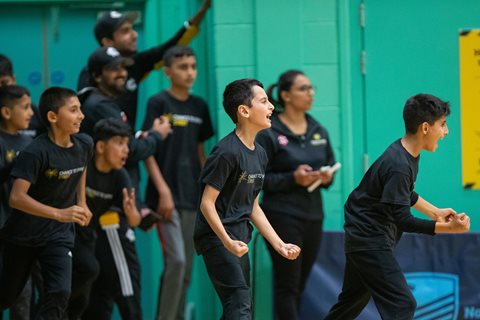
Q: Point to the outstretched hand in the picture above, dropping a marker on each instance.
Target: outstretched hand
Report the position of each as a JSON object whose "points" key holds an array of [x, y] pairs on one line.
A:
{"points": [[128, 200]]}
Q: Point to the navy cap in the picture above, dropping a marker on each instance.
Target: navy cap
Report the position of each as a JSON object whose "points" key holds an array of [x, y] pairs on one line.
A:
{"points": [[105, 57], [110, 21]]}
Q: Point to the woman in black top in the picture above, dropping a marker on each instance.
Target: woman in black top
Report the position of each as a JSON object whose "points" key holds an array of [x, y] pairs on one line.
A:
{"points": [[297, 147]]}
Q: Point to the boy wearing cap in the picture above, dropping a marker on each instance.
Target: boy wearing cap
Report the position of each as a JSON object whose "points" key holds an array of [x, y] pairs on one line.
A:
{"points": [[179, 158], [114, 29]]}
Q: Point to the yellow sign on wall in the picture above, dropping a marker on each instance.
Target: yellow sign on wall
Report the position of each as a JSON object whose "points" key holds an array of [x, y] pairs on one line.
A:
{"points": [[470, 107]]}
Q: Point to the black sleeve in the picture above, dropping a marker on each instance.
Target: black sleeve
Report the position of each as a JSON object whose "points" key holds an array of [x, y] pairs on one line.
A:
{"points": [[216, 171], [155, 108], [27, 167], [206, 130], [274, 181], [145, 61], [413, 198], [396, 189], [408, 223], [142, 148], [122, 181]]}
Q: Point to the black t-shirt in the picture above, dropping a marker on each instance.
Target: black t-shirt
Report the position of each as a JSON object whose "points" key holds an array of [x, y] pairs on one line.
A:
{"points": [[238, 173], [54, 173], [11, 145], [144, 62], [104, 192], [286, 151], [177, 155], [378, 210]]}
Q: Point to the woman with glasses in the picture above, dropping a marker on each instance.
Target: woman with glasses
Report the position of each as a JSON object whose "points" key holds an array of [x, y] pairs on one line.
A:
{"points": [[297, 147]]}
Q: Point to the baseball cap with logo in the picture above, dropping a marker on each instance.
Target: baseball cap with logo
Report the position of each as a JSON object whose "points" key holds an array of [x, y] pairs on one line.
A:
{"points": [[110, 21], [106, 57]]}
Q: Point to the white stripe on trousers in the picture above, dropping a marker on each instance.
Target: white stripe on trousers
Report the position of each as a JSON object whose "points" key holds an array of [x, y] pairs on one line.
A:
{"points": [[120, 260]]}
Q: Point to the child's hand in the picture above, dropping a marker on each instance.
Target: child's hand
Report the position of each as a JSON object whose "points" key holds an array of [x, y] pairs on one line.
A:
{"points": [[289, 251], [459, 223], [128, 200], [238, 248], [162, 126], [445, 215], [74, 214]]}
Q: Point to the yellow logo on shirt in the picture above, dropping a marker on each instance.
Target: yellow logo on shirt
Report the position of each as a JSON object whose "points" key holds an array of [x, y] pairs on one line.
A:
{"points": [[10, 155], [51, 173]]}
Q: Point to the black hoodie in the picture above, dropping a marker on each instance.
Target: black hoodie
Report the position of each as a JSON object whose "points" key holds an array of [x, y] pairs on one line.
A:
{"points": [[286, 151]]}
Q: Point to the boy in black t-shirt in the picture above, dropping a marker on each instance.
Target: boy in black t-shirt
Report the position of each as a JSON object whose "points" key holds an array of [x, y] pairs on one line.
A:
{"points": [[230, 182], [47, 197], [15, 115], [114, 211], [378, 211], [173, 193]]}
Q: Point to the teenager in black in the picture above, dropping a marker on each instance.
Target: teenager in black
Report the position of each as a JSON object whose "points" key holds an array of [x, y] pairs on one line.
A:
{"points": [[114, 212], [230, 182], [114, 29], [179, 159], [48, 194], [378, 211], [297, 147]]}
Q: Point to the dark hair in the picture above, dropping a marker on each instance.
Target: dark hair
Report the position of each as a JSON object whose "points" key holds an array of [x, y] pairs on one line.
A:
{"points": [[52, 99], [284, 83], [423, 108], [10, 94], [6, 67], [237, 93], [177, 52], [106, 129]]}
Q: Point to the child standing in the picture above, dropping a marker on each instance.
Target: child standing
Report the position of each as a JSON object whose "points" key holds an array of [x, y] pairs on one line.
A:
{"points": [[378, 211], [230, 182], [48, 195], [178, 161]]}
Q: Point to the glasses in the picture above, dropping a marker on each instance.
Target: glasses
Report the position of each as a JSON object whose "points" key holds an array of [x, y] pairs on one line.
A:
{"points": [[305, 88]]}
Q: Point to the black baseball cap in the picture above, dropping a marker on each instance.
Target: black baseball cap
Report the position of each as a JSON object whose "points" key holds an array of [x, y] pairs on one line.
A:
{"points": [[105, 57], [110, 21]]}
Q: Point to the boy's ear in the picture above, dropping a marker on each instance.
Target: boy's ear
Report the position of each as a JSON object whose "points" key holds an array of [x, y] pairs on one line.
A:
{"points": [[100, 147], [6, 112], [424, 127], [244, 111], [51, 116], [167, 71]]}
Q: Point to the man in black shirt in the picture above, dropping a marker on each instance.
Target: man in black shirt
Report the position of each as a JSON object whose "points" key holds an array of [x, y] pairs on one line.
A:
{"points": [[114, 29], [47, 197], [230, 183], [378, 211]]}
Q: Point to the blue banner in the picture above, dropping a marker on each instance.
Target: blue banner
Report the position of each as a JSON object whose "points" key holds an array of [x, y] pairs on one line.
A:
{"points": [[442, 271]]}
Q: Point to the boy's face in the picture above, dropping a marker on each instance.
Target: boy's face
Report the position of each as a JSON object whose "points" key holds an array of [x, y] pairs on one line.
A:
{"points": [[435, 132], [19, 114], [261, 110], [183, 72], [7, 81], [114, 151], [124, 39], [69, 116], [113, 79]]}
